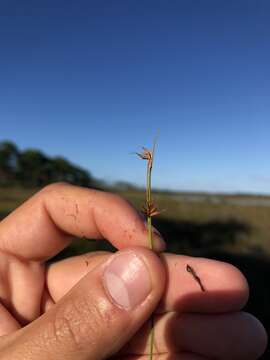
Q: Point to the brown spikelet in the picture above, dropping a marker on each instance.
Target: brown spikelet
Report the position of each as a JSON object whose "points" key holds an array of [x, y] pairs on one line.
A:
{"points": [[146, 154], [149, 209]]}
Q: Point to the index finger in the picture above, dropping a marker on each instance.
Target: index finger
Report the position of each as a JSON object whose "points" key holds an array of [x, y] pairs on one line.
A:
{"points": [[226, 287], [46, 223]]}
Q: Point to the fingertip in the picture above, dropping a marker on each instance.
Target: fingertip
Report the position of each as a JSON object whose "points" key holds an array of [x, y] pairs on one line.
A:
{"points": [[235, 280], [258, 335], [159, 244], [226, 287], [125, 226]]}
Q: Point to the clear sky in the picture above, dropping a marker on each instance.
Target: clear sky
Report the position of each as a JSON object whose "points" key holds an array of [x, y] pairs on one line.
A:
{"points": [[94, 80]]}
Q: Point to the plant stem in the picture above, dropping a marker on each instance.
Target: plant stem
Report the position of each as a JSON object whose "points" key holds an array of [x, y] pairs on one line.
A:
{"points": [[151, 244], [148, 201], [151, 337], [150, 210], [150, 232], [148, 183]]}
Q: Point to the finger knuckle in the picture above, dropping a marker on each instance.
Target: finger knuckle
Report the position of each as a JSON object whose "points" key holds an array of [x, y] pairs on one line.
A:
{"points": [[66, 327], [54, 187], [118, 200], [81, 323]]}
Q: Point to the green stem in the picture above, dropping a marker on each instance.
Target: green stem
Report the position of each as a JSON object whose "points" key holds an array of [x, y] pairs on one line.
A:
{"points": [[148, 184], [151, 338], [148, 201], [151, 245], [150, 237], [150, 232]]}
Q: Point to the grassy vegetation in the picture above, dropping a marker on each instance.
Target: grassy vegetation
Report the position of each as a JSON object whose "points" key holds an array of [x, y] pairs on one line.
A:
{"points": [[188, 225], [214, 226], [207, 225]]}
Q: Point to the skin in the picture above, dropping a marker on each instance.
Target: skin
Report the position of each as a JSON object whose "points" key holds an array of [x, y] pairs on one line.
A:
{"points": [[189, 324]]}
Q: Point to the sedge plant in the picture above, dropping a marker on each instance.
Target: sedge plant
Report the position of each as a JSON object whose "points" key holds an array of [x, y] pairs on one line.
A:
{"points": [[149, 209]]}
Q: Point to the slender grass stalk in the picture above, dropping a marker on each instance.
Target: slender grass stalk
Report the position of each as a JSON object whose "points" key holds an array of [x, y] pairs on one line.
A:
{"points": [[151, 244], [149, 210], [150, 232], [148, 201], [152, 334]]}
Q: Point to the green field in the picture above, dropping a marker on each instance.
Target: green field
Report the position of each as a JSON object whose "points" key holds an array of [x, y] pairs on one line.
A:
{"points": [[218, 222], [231, 228], [190, 223]]}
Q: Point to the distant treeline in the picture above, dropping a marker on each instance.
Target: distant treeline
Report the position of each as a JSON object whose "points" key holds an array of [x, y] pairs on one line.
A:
{"points": [[32, 168]]}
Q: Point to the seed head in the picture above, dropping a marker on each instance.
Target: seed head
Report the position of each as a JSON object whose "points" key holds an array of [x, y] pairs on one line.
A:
{"points": [[149, 209], [146, 154]]}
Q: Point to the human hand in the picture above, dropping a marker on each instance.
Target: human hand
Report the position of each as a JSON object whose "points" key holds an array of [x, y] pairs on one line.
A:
{"points": [[68, 310]]}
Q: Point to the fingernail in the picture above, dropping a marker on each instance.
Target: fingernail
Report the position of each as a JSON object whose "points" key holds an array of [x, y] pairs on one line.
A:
{"points": [[127, 280]]}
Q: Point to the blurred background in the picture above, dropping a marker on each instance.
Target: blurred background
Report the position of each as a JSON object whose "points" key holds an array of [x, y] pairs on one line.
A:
{"points": [[84, 85]]}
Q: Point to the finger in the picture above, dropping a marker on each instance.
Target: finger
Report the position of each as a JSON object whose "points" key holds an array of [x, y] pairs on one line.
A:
{"points": [[43, 226], [226, 336], [63, 275], [100, 314], [226, 287]]}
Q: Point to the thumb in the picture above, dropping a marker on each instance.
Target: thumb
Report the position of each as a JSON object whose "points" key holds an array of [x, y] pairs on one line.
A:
{"points": [[100, 314]]}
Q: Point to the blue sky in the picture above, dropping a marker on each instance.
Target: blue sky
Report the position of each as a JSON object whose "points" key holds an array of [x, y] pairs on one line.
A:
{"points": [[94, 80]]}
